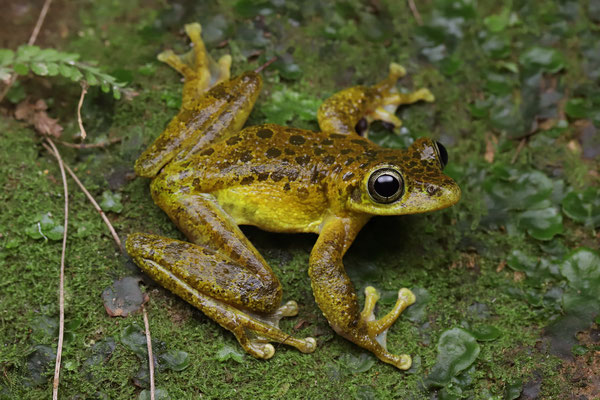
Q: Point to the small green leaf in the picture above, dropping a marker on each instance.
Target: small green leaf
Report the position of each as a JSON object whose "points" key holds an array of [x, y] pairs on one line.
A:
{"points": [[542, 224], [27, 53], [583, 206], [135, 340], [227, 352], [6, 57], [579, 350], [457, 350], [581, 267], [486, 333], [39, 68], [90, 78], [52, 68], [513, 390], [497, 22], [159, 394], [116, 92], [46, 228], [543, 59], [176, 360], [21, 69], [111, 202], [76, 75], [577, 108], [283, 105], [356, 365]]}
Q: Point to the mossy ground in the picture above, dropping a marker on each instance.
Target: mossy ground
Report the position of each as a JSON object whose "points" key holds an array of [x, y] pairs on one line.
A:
{"points": [[457, 255]]}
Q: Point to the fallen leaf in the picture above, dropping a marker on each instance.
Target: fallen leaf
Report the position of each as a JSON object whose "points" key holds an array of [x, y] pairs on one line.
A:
{"points": [[34, 113], [124, 297]]}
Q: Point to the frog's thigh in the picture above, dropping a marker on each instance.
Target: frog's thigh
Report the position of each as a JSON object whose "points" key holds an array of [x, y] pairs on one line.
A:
{"points": [[205, 270], [218, 287], [205, 223]]}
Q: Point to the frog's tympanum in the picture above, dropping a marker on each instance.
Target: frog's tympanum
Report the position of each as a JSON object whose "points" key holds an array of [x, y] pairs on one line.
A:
{"points": [[210, 175]]}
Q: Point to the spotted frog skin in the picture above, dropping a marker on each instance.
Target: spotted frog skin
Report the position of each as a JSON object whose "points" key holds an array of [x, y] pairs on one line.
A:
{"points": [[209, 175]]}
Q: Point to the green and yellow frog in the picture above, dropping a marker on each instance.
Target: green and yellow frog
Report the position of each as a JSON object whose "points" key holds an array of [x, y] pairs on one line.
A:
{"points": [[209, 175]]}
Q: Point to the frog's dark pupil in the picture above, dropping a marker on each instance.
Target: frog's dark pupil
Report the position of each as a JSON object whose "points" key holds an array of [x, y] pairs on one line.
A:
{"points": [[443, 154], [386, 185]]}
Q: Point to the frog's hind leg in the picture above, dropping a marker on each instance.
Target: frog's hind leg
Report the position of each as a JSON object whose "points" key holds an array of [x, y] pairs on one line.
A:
{"points": [[351, 110], [214, 106], [200, 71], [220, 272]]}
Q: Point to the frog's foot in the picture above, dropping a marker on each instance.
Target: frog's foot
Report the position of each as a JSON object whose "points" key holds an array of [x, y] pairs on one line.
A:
{"points": [[200, 71], [389, 99], [377, 328]]}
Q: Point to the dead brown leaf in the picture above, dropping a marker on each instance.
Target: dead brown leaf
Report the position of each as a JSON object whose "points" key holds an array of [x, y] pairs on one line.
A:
{"points": [[34, 113], [490, 147]]}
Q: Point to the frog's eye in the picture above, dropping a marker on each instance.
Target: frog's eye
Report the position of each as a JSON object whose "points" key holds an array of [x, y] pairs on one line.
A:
{"points": [[386, 185], [442, 154]]}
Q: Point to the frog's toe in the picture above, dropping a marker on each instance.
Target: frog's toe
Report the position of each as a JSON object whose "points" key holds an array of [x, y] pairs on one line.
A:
{"points": [[260, 349], [289, 309], [310, 345]]}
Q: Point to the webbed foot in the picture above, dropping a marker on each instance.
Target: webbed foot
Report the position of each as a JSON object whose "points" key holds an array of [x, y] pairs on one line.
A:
{"points": [[199, 69], [377, 328]]}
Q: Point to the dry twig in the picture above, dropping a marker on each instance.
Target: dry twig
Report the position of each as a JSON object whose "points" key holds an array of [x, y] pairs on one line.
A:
{"points": [[150, 357], [84, 88], [519, 148], [92, 200], [415, 12], [61, 290], [91, 145]]}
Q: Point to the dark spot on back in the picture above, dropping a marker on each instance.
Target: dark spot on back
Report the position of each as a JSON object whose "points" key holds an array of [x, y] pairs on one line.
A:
{"points": [[303, 160], [286, 187], [345, 151], [207, 152], [297, 140], [289, 152], [247, 180], [327, 142], [319, 151], [246, 156], [277, 176], [362, 142], [347, 176], [273, 152], [371, 153], [328, 160], [233, 140], [349, 161], [264, 133], [196, 182], [337, 168], [262, 176], [337, 136]]}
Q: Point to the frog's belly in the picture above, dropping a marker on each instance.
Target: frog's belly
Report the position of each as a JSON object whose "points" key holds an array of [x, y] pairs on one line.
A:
{"points": [[273, 209]]}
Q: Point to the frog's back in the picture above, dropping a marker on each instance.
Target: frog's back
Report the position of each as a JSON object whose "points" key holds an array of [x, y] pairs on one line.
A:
{"points": [[275, 177]]}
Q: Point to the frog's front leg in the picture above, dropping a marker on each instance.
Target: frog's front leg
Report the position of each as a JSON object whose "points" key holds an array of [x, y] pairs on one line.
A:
{"points": [[336, 296], [221, 272], [343, 112]]}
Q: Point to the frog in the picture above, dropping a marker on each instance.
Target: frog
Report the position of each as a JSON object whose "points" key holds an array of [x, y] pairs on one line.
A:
{"points": [[210, 175]]}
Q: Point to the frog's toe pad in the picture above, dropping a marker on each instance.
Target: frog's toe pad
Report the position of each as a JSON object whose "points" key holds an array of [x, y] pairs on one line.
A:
{"points": [[262, 350], [407, 296], [310, 345], [289, 309], [404, 362]]}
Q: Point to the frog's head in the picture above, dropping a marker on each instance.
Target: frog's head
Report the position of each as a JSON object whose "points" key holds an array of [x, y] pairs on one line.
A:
{"points": [[406, 182]]}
